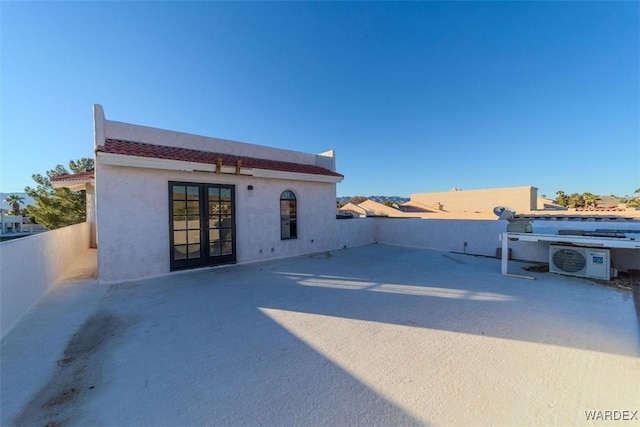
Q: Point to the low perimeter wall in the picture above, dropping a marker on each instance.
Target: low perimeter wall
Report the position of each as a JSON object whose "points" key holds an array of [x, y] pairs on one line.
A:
{"points": [[475, 237], [356, 232], [31, 265]]}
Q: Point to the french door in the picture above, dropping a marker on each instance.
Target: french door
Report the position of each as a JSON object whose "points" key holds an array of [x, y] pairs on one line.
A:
{"points": [[202, 224]]}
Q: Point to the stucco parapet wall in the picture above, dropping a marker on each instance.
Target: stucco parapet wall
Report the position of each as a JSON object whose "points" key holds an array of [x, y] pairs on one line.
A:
{"points": [[130, 132], [136, 154]]}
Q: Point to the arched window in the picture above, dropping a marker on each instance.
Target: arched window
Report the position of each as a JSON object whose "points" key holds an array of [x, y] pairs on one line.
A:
{"points": [[288, 216]]}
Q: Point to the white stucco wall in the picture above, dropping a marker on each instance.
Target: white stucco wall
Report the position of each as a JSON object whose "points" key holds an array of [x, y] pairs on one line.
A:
{"points": [[31, 265], [133, 227], [482, 237], [355, 232], [447, 235]]}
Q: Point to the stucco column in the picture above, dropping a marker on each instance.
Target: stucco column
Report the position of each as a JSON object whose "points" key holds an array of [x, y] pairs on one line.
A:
{"points": [[91, 214]]}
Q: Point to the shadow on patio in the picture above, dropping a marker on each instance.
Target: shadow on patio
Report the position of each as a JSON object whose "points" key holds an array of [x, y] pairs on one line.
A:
{"points": [[372, 335], [466, 294]]}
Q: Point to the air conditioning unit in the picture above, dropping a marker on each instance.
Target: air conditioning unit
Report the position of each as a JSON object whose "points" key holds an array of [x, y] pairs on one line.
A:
{"points": [[580, 261]]}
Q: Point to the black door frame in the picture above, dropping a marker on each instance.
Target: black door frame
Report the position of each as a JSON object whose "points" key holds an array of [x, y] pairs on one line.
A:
{"points": [[205, 259]]}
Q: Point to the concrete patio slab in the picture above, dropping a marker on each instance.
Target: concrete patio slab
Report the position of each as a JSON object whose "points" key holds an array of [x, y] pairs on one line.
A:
{"points": [[374, 335]]}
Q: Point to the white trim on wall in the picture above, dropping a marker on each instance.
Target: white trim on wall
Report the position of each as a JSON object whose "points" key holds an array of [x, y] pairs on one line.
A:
{"points": [[179, 165]]}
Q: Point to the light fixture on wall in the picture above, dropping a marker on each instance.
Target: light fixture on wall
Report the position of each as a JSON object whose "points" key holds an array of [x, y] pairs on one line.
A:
{"points": [[250, 187]]}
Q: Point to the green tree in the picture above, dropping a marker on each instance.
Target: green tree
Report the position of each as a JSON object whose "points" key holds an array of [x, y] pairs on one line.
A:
{"points": [[576, 201], [14, 201], [590, 199], [634, 202], [561, 198], [58, 207]]}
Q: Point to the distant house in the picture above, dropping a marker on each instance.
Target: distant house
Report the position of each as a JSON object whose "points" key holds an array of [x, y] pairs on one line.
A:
{"points": [[519, 199], [549, 205], [353, 210], [8, 222], [371, 208], [410, 209], [82, 181], [164, 201]]}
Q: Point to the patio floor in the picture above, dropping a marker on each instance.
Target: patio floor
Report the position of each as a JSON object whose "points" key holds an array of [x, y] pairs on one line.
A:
{"points": [[374, 335]]}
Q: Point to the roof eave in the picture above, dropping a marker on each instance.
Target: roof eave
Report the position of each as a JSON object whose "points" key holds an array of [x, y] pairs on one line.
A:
{"points": [[73, 184], [181, 165]]}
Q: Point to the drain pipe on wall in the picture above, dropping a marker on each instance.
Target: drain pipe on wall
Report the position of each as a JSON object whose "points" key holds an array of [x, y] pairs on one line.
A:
{"points": [[464, 250]]}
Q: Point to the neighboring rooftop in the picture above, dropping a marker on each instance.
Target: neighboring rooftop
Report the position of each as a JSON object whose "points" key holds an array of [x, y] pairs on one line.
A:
{"points": [[480, 204]]}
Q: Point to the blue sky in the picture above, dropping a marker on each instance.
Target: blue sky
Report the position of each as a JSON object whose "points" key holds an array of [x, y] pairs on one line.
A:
{"points": [[414, 97]]}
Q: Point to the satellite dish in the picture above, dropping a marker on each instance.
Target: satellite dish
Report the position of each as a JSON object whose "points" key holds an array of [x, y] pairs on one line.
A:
{"points": [[503, 212]]}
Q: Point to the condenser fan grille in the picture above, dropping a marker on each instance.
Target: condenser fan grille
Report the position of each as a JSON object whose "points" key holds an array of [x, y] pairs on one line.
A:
{"points": [[569, 260]]}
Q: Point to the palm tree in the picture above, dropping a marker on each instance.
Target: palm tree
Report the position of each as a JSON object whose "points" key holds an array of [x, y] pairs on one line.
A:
{"points": [[590, 199], [561, 198], [634, 202], [14, 201]]}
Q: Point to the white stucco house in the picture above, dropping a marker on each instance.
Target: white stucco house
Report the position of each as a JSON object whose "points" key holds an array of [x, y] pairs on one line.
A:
{"points": [[162, 201], [9, 222]]}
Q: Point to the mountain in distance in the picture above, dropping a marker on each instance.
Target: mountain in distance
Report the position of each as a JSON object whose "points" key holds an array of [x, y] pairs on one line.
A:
{"points": [[380, 199], [27, 200]]}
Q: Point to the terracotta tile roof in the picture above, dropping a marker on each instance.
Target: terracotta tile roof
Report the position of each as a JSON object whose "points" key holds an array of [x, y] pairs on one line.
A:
{"points": [[74, 176], [140, 149]]}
